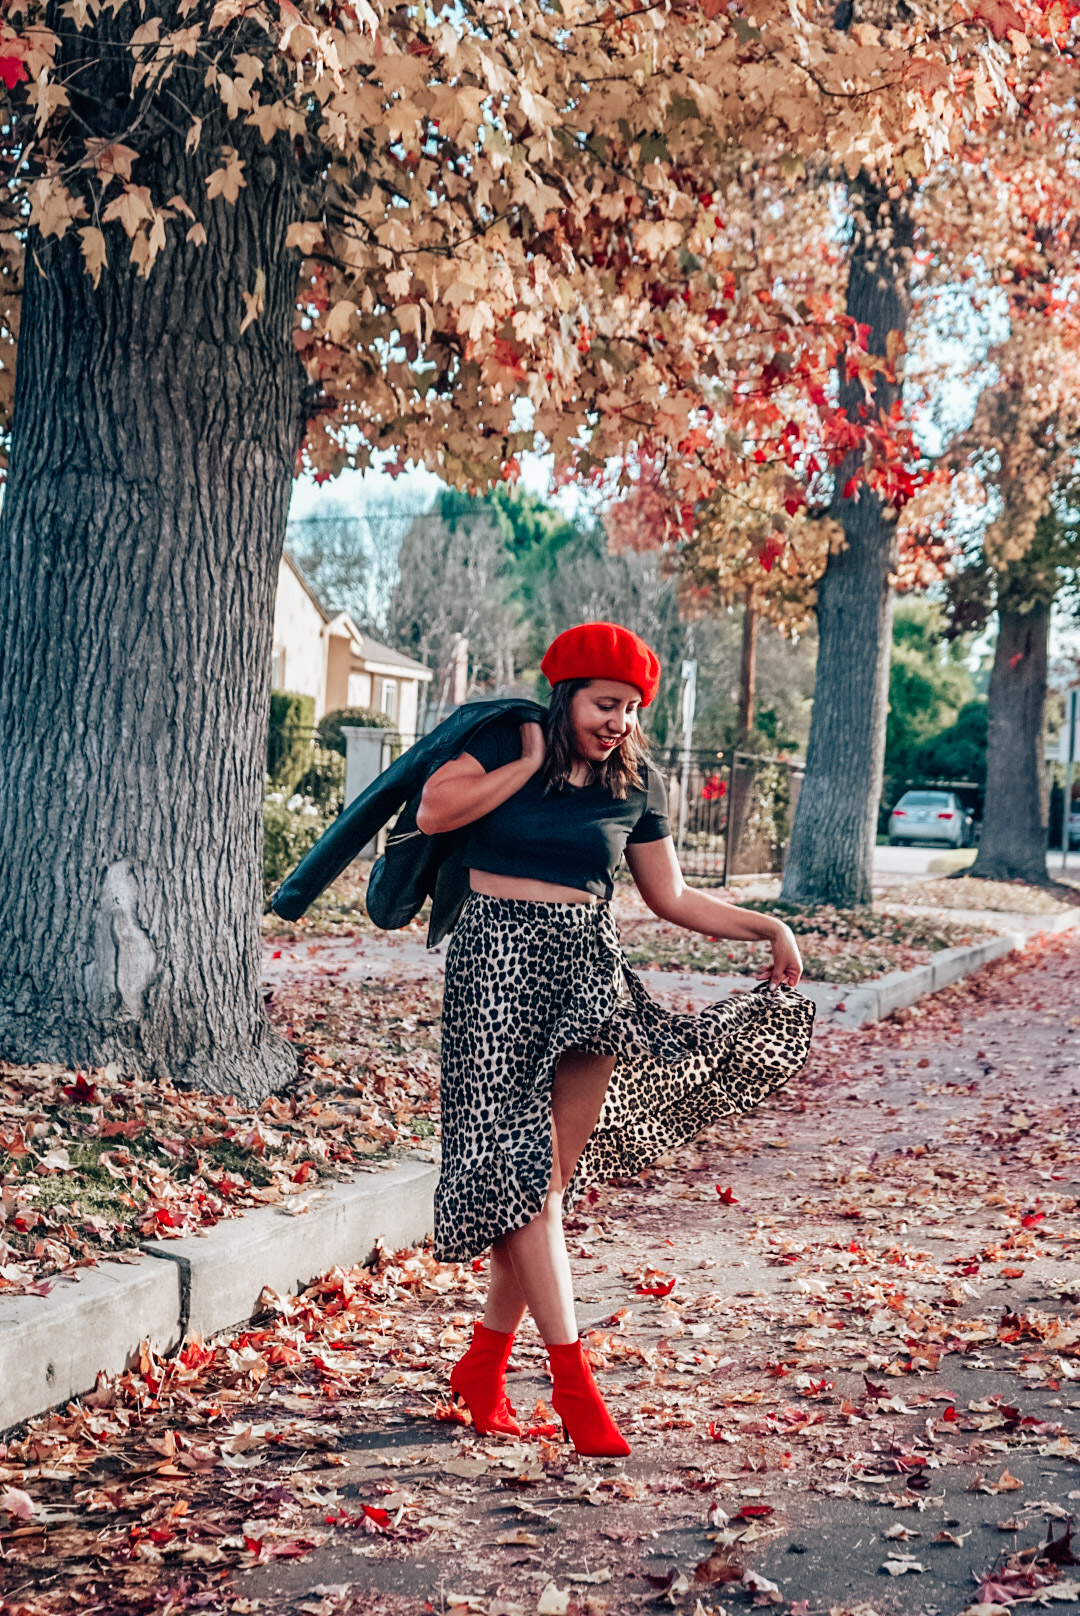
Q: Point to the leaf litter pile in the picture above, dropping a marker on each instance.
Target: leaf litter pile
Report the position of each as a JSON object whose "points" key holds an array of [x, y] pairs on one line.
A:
{"points": [[837, 945], [92, 1163], [842, 1334]]}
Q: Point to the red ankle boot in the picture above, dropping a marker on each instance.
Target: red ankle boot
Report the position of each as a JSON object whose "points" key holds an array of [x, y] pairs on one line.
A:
{"points": [[479, 1379], [576, 1399]]}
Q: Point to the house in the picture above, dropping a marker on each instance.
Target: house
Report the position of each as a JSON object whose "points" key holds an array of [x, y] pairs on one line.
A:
{"points": [[320, 653]]}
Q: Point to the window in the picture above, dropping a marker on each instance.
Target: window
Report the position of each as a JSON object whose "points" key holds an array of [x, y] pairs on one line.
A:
{"points": [[926, 799], [388, 702], [277, 668]]}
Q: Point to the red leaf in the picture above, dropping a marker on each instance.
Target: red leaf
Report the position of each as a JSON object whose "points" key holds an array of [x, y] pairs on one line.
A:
{"points": [[949, 1414], [12, 70], [80, 1092], [771, 551], [1058, 1551], [656, 1290], [381, 1517], [726, 1196]]}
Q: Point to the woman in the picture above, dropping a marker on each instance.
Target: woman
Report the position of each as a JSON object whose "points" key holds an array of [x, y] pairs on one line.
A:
{"points": [[544, 1025]]}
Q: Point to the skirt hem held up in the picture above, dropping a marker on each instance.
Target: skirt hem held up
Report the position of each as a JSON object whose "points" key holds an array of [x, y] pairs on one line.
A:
{"points": [[526, 982]]}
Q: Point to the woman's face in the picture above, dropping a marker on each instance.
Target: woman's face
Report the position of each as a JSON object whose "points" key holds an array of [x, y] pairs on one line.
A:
{"points": [[602, 715]]}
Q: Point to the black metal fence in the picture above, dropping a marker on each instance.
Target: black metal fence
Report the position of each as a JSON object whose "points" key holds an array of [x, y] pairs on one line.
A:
{"points": [[731, 812]]}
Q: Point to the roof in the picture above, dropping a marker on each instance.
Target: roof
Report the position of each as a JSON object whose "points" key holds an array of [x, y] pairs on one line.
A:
{"points": [[385, 655], [383, 658]]}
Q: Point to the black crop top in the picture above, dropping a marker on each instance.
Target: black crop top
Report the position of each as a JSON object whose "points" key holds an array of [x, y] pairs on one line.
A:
{"points": [[573, 837]]}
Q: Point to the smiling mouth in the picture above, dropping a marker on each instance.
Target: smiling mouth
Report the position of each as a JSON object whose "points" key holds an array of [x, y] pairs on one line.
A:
{"points": [[602, 741]]}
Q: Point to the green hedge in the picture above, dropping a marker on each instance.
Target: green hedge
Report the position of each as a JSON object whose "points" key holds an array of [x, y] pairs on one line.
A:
{"points": [[290, 710], [330, 726], [288, 747]]}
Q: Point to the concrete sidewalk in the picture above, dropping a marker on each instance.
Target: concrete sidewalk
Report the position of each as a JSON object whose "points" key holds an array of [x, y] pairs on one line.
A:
{"points": [[52, 1348]]}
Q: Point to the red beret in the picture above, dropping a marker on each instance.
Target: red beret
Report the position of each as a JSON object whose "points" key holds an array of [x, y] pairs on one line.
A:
{"points": [[603, 651]]}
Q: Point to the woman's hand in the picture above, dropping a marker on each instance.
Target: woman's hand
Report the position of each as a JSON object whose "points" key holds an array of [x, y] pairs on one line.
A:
{"points": [[786, 964], [532, 744]]}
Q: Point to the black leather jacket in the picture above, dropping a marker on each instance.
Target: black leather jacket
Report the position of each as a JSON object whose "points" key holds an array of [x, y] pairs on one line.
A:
{"points": [[414, 867]]}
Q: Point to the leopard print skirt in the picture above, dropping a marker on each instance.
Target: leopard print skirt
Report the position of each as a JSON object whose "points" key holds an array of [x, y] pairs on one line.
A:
{"points": [[525, 982]]}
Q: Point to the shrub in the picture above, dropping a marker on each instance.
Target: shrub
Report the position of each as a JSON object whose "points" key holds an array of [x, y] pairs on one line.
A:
{"points": [[323, 783], [288, 746], [330, 726], [291, 827], [290, 710]]}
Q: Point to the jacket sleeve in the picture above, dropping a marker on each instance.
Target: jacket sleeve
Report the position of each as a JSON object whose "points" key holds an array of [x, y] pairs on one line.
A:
{"points": [[357, 824]]}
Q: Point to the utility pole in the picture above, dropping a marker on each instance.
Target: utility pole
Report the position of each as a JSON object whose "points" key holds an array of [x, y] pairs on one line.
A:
{"points": [[747, 672], [1067, 753]]}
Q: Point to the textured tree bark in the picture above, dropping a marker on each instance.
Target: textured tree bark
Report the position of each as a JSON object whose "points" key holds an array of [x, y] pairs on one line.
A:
{"points": [[1012, 846], [152, 458], [830, 859]]}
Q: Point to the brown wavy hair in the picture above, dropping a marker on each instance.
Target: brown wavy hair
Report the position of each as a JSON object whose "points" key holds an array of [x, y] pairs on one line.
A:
{"points": [[623, 769]]}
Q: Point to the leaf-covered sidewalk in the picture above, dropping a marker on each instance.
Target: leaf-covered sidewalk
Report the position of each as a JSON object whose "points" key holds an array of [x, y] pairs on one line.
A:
{"points": [[93, 1163], [842, 1335]]}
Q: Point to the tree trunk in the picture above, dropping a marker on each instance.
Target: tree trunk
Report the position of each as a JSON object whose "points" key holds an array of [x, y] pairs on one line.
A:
{"points": [[832, 844], [1012, 846], [152, 458], [747, 672]]}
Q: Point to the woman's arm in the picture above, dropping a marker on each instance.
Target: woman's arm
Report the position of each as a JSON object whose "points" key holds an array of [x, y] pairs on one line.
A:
{"points": [[462, 790], [660, 881]]}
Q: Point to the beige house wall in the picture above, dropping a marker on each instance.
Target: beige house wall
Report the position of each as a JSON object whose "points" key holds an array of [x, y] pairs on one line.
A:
{"points": [[319, 656], [408, 693], [338, 661], [298, 641], [359, 690]]}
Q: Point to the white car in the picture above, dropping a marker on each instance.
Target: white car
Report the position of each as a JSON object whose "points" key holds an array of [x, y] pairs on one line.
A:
{"points": [[930, 816]]}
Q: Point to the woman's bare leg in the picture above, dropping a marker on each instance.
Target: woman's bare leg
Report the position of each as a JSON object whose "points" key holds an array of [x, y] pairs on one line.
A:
{"points": [[505, 1299], [538, 1251]]}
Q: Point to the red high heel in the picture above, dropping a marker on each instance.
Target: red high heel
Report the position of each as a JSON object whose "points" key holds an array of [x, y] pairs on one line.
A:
{"points": [[479, 1379], [576, 1399]]}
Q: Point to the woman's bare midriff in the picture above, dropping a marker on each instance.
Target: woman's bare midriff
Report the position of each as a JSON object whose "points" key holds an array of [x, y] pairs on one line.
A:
{"points": [[510, 886]]}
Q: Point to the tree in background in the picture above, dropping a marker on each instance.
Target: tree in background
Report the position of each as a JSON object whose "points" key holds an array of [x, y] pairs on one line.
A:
{"points": [[1016, 467], [244, 233], [350, 556], [1021, 593], [930, 687]]}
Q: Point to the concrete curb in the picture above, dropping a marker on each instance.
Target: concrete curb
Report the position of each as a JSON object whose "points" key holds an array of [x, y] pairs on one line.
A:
{"points": [[223, 1272], [53, 1348], [899, 989], [855, 1006]]}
